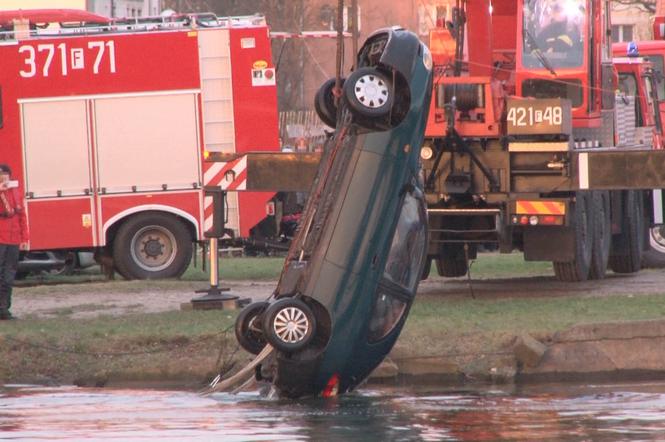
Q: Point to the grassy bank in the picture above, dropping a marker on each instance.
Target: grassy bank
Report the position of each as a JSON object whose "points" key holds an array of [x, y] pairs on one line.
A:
{"points": [[185, 346], [191, 346]]}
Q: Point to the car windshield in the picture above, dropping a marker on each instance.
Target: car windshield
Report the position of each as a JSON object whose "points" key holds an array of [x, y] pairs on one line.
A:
{"points": [[553, 33]]}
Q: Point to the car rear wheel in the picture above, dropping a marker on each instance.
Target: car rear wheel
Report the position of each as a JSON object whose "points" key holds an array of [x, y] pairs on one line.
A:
{"points": [[288, 324], [324, 103], [369, 93], [152, 245], [249, 332]]}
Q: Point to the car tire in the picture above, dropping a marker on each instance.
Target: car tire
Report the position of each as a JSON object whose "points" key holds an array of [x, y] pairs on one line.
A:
{"points": [[369, 93], [582, 224], [288, 324], [324, 103], [152, 245], [602, 234], [248, 328], [629, 260]]}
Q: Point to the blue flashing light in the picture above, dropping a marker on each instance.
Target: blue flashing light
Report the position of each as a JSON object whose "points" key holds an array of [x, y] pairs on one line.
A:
{"points": [[632, 50]]}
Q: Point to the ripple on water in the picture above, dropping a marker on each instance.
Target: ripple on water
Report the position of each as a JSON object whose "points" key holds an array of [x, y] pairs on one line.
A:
{"points": [[563, 413]]}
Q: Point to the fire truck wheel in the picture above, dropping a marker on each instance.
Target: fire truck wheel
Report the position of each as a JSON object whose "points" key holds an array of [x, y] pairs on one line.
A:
{"points": [[602, 234], [655, 256], [324, 103], [369, 93], [288, 324], [426, 269], [628, 247], [151, 246], [582, 225], [451, 262], [249, 332]]}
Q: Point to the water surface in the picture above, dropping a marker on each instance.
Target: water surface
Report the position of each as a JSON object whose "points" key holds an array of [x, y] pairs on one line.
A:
{"points": [[560, 412]]}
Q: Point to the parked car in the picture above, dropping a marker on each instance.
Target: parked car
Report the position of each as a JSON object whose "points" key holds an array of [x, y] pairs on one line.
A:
{"points": [[52, 262], [353, 268]]}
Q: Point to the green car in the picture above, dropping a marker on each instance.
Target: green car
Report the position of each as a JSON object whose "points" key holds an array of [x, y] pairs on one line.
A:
{"points": [[354, 265]]}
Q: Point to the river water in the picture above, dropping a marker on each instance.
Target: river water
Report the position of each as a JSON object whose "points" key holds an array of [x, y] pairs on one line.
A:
{"points": [[614, 412]]}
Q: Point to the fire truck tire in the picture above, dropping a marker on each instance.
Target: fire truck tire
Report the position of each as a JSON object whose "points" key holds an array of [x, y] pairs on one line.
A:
{"points": [[451, 262], [249, 331], [629, 260], [654, 257], [369, 93], [152, 246], [582, 225], [288, 324], [426, 269], [602, 234], [324, 103]]}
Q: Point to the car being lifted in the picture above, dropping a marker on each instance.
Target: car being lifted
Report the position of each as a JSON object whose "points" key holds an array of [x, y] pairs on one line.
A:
{"points": [[353, 268]]}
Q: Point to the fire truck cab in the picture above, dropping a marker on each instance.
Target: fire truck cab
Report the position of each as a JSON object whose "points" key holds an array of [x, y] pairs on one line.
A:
{"points": [[107, 125]]}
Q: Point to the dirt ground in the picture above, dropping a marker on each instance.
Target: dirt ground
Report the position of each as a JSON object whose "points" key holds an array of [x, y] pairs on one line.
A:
{"points": [[105, 299], [100, 300], [648, 281]]}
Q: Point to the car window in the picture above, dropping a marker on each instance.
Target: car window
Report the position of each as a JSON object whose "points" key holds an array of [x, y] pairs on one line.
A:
{"points": [[403, 267], [405, 256], [388, 310]]}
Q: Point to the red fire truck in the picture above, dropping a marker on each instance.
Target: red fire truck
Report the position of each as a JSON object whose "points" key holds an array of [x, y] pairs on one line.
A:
{"points": [[107, 123]]}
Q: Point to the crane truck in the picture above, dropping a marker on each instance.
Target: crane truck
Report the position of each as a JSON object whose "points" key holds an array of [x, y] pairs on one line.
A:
{"points": [[516, 121]]}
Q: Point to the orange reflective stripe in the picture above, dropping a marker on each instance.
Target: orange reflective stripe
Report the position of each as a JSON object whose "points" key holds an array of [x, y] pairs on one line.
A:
{"points": [[540, 208]]}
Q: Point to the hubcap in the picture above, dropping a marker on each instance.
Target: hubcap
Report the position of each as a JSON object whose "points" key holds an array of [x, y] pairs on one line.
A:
{"points": [[154, 248], [371, 91], [657, 238], [291, 325]]}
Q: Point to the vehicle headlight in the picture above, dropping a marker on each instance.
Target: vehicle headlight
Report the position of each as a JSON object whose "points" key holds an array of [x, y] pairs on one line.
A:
{"points": [[426, 153], [427, 58]]}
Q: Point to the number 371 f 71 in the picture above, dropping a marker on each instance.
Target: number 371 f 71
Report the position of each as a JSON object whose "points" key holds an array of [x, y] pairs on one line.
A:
{"points": [[44, 60]]}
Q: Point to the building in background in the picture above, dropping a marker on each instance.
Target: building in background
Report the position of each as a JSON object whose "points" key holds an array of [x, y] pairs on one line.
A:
{"points": [[631, 22], [39, 4], [109, 8], [124, 8]]}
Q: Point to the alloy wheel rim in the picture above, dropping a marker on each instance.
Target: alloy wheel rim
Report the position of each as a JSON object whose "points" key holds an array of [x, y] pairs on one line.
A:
{"points": [[291, 325]]}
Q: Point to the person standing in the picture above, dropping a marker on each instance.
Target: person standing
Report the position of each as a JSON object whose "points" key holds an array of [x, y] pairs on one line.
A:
{"points": [[13, 237]]}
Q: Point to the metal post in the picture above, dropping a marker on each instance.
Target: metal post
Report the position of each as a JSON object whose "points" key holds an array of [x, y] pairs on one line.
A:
{"points": [[214, 265], [214, 297]]}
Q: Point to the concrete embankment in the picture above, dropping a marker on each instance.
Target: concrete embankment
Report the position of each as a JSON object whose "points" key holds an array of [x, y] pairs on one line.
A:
{"points": [[607, 351]]}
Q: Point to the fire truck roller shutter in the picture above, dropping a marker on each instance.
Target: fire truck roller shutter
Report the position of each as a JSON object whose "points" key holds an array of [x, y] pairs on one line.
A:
{"points": [[152, 245], [147, 141]]}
